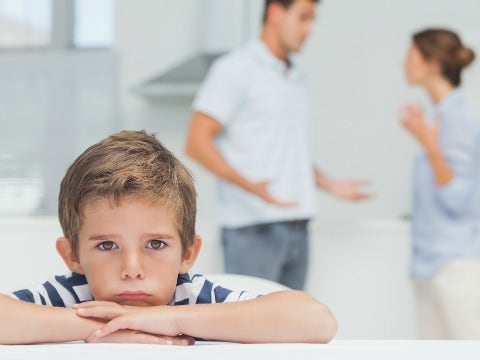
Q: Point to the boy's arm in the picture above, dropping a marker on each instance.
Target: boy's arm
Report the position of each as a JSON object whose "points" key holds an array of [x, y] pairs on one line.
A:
{"points": [[285, 316], [26, 323]]}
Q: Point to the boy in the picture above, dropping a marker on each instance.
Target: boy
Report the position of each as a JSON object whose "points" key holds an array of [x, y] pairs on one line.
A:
{"points": [[127, 208]]}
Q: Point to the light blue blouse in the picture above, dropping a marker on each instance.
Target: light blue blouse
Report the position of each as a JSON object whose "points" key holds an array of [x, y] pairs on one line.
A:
{"points": [[446, 220]]}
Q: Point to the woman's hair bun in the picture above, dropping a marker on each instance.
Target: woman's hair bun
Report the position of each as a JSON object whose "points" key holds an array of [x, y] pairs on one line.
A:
{"points": [[464, 56]]}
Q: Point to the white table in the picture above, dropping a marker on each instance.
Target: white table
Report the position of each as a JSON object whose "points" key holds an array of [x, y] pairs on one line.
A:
{"points": [[338, 349]]}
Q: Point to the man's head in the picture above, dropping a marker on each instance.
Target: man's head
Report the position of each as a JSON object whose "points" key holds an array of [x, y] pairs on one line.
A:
{"points": [[290, 21], [127, 208]]}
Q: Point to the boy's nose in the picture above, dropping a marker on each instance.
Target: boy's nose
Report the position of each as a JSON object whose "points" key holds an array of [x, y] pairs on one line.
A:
{"points": [[132, 266]]}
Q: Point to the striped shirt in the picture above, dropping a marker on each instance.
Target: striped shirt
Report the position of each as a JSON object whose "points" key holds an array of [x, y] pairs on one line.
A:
{"points": [[64, 291]]}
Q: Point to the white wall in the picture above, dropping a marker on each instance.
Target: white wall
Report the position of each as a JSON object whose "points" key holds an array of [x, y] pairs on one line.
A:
{"points": [[151, 36], [354, 59]]}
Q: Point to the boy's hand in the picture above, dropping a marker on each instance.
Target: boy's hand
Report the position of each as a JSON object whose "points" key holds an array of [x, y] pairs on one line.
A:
{"points": [[147, 323], [101, 309]]}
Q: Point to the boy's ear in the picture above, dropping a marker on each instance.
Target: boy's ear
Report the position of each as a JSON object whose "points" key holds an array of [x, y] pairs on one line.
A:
{"points": [[64, 248], [190, 255]]}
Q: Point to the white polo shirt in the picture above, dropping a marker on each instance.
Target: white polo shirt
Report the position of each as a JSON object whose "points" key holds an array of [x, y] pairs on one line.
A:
{"points": [[265, 109]]}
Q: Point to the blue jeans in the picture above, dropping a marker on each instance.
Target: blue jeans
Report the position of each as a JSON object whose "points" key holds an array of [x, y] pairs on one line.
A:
{"points": [[276, 251]]}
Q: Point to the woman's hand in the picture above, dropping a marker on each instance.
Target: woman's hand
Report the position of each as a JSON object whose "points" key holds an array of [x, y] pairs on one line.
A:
{"points": [[427, 135], [413, 119]]}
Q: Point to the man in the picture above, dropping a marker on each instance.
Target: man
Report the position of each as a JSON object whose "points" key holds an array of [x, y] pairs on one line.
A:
{"points": [[249, 128]]}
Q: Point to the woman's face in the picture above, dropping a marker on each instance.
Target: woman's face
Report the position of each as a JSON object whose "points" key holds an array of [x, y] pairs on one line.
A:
{"points": [[417, 69]]}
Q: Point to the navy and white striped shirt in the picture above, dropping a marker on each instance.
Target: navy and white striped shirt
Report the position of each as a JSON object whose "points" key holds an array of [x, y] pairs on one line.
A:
{"points": [[64, 291]]}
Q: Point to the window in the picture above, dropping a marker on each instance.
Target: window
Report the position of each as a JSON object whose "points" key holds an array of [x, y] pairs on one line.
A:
{"points": [[26, 24], [51, 102], [93, 24]]}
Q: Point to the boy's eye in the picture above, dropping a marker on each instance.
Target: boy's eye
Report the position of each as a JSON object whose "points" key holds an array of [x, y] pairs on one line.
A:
{"points": [[155, 244], [107, 245]]}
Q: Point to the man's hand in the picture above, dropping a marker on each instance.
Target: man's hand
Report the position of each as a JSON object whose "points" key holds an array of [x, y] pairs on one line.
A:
{"points": [[349, 189], [261, 190], [345, 189]]}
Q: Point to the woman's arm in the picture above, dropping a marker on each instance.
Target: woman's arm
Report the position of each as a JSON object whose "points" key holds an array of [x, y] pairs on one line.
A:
{"points": [[284, 316], [427, 135], [441, 169]]}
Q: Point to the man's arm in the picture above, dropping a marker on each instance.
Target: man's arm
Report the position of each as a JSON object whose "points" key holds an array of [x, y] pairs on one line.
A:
{"points": [[345, 189], [200, 146], [26, 323], [284, 316]]}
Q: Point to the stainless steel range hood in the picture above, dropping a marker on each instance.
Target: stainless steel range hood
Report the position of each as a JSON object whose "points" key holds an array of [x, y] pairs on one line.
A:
{"points": [[222, 25], [182, 81]]}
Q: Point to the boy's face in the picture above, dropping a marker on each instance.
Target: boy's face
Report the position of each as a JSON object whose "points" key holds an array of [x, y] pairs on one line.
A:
{"points": [[130, 253]]}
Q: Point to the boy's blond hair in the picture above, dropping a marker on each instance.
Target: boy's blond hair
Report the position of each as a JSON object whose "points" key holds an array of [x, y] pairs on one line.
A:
{"points": [[127, 164]]}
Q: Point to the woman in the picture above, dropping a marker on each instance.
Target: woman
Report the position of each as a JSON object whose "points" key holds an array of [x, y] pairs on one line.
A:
{"points": [[446, 189]]}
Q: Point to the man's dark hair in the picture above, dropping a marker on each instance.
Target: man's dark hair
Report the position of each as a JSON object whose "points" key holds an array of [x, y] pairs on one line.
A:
{"points": [[285, 3]]}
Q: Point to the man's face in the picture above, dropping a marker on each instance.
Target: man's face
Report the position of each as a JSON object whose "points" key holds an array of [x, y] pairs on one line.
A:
{"points": [[130, 253], [296, 24]]}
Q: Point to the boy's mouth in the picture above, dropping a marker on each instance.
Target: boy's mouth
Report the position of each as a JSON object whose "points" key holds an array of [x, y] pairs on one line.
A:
{"points": [[133, 295]]}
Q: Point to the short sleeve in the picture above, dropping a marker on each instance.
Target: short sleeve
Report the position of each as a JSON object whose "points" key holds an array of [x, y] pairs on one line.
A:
{"points": [[223, 90], [60, 291], [199, 290]]}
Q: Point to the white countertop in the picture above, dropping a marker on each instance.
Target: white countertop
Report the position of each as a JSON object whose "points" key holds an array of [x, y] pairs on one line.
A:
{"points": [[338, 349]]}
